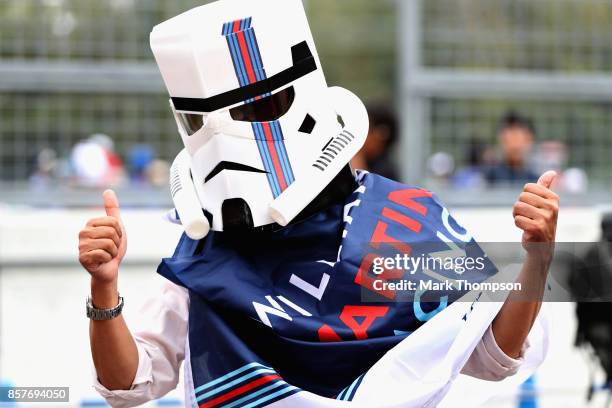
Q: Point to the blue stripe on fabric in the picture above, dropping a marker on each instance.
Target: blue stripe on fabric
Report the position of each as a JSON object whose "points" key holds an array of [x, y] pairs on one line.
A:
{"points": [[269, 397], [358, 383], [255, 394], [267, 159], [347, 396], [234, 382], [341, 395], [228, 375]]}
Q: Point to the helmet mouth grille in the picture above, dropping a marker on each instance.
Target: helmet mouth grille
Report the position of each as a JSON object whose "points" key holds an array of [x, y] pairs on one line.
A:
{"points": [[236, 215]]}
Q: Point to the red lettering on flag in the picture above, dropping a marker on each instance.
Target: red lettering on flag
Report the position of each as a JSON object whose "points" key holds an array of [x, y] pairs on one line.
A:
{"points": [[369, 314], [364, 279], [406, 198], [328, 334]]}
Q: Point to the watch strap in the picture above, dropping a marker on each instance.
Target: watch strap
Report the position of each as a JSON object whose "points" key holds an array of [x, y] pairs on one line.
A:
{"points": [[94, 313]]}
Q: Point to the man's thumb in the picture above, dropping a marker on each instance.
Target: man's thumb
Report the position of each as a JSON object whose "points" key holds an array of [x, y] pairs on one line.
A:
{"points": [[547, 178], [111, 204]]}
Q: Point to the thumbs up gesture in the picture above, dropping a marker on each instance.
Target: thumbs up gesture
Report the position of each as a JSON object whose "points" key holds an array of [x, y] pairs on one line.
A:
{"points": [[103, 242], [536, 213]]}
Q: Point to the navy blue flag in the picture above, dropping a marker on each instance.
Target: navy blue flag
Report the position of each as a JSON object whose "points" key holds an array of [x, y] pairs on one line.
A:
{"points": [[302, 308]]}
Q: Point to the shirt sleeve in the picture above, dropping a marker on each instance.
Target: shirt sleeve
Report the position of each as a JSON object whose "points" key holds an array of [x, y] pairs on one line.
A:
{"points": [[489, 362], [161, 349]]}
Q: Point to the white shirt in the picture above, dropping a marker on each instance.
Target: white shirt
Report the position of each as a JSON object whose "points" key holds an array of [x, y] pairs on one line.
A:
{"points": [[163, 346]]}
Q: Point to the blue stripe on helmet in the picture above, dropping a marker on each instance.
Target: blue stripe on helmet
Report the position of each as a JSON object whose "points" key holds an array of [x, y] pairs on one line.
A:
{"points": [[266, 158]]}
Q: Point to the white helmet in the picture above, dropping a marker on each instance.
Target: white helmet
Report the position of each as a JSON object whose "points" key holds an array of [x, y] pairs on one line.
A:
{"points": [[263, 133]]}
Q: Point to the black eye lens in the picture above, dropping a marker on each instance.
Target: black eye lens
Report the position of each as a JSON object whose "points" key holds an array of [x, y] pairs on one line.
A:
{"points": [[191, 122], [266, 109]]}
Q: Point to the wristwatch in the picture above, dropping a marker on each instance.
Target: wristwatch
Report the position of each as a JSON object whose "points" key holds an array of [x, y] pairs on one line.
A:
{"points": [[103, 314]]}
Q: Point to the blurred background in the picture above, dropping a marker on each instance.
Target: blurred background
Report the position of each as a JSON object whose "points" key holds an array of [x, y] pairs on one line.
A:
{"points": [[470, 98]]}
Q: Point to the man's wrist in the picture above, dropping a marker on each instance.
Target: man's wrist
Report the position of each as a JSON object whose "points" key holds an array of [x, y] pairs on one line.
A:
{"points": [[104, 295], [539, 262]]}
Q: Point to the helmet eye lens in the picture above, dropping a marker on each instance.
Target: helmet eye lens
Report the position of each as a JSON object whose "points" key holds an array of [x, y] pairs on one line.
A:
{"points": [[191, 122], [261, 110], [265, 109]]}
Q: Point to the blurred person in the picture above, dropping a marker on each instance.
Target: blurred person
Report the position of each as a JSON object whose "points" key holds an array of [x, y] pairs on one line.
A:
{"points": [[140, 157], [157, 173], [575, 180], [95, 162], [264, 295], [550, 154], [516, 136], [591, 285], [554, 154], [440, 167], [46, 169], [472, 175], [375, 155]]}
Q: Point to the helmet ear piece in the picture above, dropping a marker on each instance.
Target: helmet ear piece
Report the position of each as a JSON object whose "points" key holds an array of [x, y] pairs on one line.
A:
{"points": [[185, 198]]}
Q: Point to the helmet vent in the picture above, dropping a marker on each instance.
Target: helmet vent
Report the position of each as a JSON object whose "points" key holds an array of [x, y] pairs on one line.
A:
{"points": [[333, 149], [175, 181]]}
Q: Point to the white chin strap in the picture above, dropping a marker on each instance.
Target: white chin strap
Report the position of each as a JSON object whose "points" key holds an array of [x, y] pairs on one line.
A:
{"points": [[299, 194], [352, 137]]}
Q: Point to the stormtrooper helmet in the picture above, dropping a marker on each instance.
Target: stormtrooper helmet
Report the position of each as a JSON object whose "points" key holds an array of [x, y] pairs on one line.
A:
{"points": [[263, 133]]}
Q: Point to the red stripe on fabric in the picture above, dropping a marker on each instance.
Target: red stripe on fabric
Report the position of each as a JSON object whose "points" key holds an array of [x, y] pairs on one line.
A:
{"points": [[236, 26], [240, 390], [274, 155], [406, 221], [246, 57], [327, 334]]}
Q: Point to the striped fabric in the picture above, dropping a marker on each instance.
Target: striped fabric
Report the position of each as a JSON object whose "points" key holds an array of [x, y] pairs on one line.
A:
{"points": [[250, 386], [249, 69], [349, 392]]}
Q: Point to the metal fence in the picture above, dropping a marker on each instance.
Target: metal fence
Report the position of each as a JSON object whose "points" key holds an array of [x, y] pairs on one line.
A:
{"points": [[465, 63], [69, 69]]}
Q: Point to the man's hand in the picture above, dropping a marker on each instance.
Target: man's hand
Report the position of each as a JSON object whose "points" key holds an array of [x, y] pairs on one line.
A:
{"points": [[536, 213], [102, 245]]}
